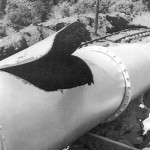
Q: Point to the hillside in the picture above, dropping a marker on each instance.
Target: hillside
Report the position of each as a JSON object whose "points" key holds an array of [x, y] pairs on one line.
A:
{"points": [[17, 14]]}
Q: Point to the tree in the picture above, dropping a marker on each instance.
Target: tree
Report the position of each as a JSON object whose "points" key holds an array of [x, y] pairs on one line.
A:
{"points": [[96, 16]]}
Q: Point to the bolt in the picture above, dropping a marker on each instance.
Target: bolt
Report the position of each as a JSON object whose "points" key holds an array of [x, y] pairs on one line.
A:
{"points": [[121, 109], [116, 115]]}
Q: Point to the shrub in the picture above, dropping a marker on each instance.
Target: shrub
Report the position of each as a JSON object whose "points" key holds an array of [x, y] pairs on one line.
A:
{"points": [[18, 13], [83, 6], [105, 5], [147, 3], [2, 8], [21, 13], [66, 9], [88, 6], [61, 10], [5, 30], [129, 7]]}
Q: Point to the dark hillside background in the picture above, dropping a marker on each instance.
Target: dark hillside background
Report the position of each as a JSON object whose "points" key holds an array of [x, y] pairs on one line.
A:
{"points": [[17, 14]]}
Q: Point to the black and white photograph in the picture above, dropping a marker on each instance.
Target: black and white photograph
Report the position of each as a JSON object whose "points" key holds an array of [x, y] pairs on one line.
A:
{"points": [[74, 74]]}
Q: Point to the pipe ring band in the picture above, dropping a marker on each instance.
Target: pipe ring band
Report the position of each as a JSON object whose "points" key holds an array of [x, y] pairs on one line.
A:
{"points": [[128, 93]]}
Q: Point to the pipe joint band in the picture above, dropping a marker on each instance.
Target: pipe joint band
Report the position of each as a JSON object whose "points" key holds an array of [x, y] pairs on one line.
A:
{"points": [[128, 93]]}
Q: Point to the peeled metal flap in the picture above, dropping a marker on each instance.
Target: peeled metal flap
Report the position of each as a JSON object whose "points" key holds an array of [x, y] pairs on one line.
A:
{"points": [[32, 53]]}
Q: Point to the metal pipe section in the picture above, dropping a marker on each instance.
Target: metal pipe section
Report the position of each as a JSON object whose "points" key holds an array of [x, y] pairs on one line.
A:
{"points": [[32, 119], [136, 57]]}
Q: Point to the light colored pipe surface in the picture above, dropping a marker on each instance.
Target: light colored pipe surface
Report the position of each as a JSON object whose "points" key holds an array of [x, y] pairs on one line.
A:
{"points": [[136, 57], [33, 119], [36, 120]]}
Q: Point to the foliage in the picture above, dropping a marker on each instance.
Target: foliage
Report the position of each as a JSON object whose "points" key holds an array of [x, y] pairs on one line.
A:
{"points": [[129, 7], [142, 19], [147, 3], [2, 7], [61, 10], [105, 5], [66, 9], [21, 13], [83, 6]]}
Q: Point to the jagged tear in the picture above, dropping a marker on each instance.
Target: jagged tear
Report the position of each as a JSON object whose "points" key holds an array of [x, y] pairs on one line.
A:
{"points": [[58, 69]]}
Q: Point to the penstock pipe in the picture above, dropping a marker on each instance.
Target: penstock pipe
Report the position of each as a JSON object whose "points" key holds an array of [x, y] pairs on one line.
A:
{"points": [[34, 119]]}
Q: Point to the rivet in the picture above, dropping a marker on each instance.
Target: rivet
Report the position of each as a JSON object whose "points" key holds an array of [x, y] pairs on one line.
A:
{"points": [[109, 119], [116, 115], [129, 91], [129, 88], [121, 109], [134, 37], [126, 102]]}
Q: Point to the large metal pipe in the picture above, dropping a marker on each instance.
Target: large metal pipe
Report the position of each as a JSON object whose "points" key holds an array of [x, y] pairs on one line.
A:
{"points": [[32, 119]]}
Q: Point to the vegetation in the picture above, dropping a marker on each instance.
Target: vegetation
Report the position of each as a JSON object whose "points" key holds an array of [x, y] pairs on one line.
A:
{"points": [[21, 13], [18, 14]]}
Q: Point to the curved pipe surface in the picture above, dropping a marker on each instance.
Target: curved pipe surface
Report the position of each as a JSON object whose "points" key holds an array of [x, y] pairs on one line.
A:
{"points": [[33, 119]]}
